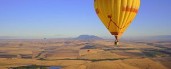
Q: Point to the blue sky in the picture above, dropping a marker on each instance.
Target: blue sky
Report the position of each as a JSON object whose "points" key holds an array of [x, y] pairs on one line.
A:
{"points": [[70, 18]]}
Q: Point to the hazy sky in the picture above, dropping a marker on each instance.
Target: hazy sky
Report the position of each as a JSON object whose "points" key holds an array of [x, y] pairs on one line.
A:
{"points": [[70, 18]]}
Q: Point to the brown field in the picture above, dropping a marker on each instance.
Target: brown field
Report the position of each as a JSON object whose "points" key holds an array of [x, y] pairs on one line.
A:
{"points": [[79, 54]]}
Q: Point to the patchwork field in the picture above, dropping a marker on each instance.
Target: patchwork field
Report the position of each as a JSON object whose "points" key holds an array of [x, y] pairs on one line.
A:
{"points": [[85, 54]]}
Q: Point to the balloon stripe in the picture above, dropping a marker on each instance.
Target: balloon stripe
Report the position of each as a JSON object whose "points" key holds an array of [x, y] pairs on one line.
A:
{"points": [[127, 9]]}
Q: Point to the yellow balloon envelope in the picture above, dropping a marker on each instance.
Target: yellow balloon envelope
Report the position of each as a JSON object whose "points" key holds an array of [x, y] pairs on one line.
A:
{"points": [[116, 15]]}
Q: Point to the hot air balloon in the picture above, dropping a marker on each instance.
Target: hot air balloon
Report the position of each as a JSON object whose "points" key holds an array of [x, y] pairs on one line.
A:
{"points": [[116, 15]]}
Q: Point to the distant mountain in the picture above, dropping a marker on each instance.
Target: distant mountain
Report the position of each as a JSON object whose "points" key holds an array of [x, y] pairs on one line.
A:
{"points": [[161, 37], [88, 37], [7, 37]]}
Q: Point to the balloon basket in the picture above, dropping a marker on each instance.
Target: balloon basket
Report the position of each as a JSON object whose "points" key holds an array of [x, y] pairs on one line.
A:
{"points": [[116, 43]]}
